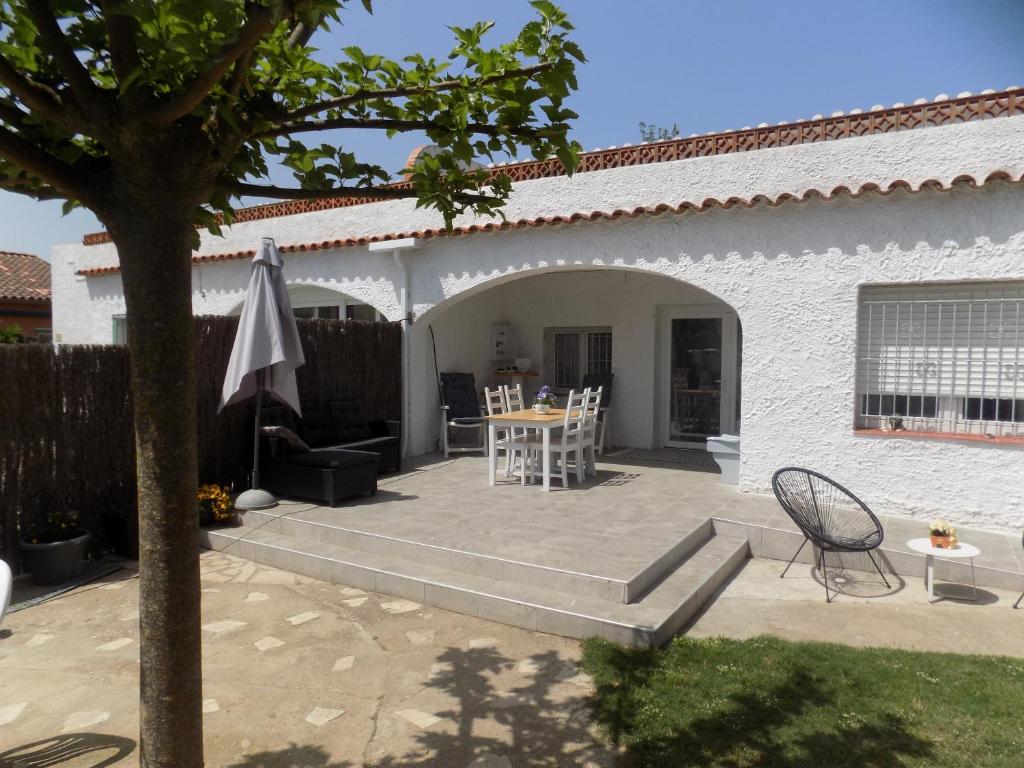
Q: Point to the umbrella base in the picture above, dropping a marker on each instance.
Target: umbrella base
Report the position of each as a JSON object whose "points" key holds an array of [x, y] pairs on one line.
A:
{"points": [[255, 498]]}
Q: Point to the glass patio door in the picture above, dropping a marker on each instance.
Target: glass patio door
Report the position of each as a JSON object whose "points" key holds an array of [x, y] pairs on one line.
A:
{"points": [[702, 366]]}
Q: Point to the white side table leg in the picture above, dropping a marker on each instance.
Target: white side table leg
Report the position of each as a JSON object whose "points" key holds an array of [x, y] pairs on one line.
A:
{"points": [[929, 576]]}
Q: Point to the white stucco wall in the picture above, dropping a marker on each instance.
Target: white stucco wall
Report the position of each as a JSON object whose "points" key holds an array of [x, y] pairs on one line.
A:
{"points": [[791, 272], [626, 301]]}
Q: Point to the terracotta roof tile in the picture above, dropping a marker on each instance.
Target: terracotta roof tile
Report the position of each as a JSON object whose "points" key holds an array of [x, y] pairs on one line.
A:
{"points": [[879, 119], [24, 277], [634, 213]]}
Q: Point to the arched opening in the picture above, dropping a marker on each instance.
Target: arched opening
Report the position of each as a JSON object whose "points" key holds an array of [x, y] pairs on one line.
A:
{"points": [[674, 349], [314, 301]]}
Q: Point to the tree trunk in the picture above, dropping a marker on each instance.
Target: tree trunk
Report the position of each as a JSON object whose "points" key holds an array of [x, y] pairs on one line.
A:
{"points": [[154, 245]]}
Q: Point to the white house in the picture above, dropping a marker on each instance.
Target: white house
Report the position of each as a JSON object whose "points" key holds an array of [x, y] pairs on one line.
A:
{"points": [[809, 285]]}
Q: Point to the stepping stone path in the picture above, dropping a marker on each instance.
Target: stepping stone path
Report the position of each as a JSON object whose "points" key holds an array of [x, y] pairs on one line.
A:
{"points": [[352, 592], [420, 636], [483, 642], [267, 643], [530, 667], [209, 589], [396, 607], [114, 645], [11, 712], [491, 761], [256, 597], [210, 706], [35, 640], [220, 627], [302, 618], [343, 664], [355, 602], [323, 715], [80, 721], [418, 718]]}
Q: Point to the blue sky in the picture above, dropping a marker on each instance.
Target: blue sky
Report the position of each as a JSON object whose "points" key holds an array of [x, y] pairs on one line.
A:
{"points": [[705, 66]]}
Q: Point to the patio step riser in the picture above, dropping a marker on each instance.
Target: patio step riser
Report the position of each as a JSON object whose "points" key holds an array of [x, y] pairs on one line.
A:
{"points": [[289, 554], [584, 585]]}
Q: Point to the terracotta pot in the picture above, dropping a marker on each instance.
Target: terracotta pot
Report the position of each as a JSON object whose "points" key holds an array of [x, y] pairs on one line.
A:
{"points": [[942, 542]]}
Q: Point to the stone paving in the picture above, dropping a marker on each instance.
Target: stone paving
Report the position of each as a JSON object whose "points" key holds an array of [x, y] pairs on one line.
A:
{"points": [[297, 673]]}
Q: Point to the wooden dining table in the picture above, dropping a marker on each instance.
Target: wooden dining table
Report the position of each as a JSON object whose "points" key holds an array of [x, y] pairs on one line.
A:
{"points": [[528, 419]]}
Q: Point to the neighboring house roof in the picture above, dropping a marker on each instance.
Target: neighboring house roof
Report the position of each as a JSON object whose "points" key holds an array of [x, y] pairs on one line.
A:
{"points": [[24, 277], [879, 120]]}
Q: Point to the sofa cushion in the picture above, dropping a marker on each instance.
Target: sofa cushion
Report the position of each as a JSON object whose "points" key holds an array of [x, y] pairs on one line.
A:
{"points": [[334, 459], [279, 416], [295, 443], [349, 422], [318, 426], [369, 443]]}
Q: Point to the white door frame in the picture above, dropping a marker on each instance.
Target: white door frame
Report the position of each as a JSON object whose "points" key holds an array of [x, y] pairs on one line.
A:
{"points": [[727, 396]]}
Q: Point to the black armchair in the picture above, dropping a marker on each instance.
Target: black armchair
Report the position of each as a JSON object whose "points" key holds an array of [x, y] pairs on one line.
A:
{"points": [[828, 515], [460, 409]]}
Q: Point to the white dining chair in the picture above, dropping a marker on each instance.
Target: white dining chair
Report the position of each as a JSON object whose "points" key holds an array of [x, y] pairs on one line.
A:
{"points": [[566, 445], [497, 403], [590, 432]]}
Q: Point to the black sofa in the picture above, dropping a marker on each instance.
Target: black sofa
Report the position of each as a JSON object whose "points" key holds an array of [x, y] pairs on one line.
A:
{"points": [[322, 475], [339, 425]]}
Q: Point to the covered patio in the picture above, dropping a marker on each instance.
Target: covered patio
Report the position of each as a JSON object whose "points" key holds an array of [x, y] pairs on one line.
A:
{"points": [[633, 555]]}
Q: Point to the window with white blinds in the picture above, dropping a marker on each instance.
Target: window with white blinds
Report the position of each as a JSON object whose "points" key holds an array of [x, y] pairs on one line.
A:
{"points": [[942, 357]]}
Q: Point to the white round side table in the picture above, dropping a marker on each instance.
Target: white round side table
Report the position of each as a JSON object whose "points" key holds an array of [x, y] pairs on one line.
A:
{"points": [[962, 550]]}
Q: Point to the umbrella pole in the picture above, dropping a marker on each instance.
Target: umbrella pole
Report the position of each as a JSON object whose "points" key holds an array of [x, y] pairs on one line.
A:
{"points": [[256, 497], [256, 436]]}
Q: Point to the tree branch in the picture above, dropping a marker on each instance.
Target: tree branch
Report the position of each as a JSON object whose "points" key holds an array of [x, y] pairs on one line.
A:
{"points": [[240, 188], [43, 165], [36, 97], [53, 42], [261, 19], [391, 93], [122, 36], [19, 187], [401, 126]]}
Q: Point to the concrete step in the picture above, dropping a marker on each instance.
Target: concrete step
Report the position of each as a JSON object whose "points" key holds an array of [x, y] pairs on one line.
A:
{"points": [[651, 620], [507, 568]]}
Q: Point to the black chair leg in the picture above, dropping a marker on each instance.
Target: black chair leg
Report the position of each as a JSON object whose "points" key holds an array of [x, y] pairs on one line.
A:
{"points": [[793, 558], [877, 568], [824, 574], [1019, 599]]}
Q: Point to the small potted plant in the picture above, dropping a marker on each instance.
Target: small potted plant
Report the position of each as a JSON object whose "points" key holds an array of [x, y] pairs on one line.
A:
{"points": [[215, 507], [545, 399], [53, 549], [943, 535]]}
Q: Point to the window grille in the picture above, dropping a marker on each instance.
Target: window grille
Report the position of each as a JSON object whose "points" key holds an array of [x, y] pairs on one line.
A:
{"points": [[570, 353], [943, 358]]}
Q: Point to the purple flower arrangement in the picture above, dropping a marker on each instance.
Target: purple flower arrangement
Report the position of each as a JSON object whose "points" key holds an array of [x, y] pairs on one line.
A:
{"points": [[546, 396]]}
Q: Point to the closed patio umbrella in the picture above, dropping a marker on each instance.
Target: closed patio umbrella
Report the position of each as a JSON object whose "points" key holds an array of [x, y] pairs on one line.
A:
{"points": [[265, 354]]}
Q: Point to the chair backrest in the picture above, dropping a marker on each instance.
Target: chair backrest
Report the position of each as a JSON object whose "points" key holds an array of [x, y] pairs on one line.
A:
{"points": [[602, 381], [495, 400], [6, 586], [458, 392], [514, 397], [825, 511], [593, 406], [575, 416]]}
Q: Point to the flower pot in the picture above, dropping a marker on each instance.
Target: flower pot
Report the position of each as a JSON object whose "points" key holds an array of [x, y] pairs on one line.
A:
{"points": [[942, 542], [541, 408], [54, 562]]}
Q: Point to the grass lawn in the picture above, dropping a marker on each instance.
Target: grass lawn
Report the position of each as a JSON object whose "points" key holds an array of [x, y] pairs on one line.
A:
{"points": [[768, 702]]}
